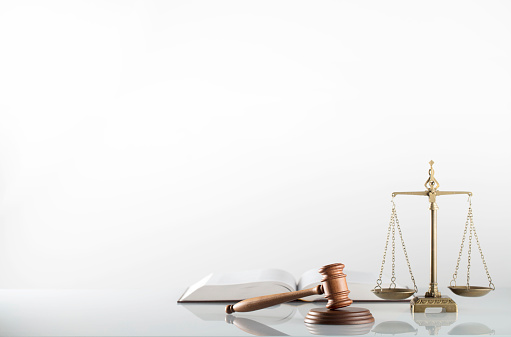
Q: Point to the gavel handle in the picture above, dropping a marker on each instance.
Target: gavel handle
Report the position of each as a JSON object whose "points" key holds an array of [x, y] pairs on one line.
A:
{"points": [[262, 302]]}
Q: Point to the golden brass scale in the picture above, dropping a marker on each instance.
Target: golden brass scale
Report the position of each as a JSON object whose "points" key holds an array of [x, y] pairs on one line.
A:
{"points": [[432, 298]]}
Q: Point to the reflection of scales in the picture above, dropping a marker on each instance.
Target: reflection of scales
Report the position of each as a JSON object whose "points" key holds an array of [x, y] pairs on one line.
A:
{"points": [[432, 298]]}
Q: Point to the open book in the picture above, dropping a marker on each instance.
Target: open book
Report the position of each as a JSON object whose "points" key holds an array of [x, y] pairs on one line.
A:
{"points": [[236, 286]]}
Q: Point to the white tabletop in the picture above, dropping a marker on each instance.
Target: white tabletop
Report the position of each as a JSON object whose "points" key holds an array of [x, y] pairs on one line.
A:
{"points": [[156, 313]]}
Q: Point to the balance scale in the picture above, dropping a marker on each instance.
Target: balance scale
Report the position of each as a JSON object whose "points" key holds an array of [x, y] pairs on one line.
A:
{"points": [[432, 298]]}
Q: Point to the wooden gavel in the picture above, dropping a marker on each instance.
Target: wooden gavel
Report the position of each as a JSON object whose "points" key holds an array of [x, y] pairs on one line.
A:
{"points": [[333, 286]]}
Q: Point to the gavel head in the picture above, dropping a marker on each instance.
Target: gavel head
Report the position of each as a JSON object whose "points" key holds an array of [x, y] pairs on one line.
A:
{"points": [[334, 286]]}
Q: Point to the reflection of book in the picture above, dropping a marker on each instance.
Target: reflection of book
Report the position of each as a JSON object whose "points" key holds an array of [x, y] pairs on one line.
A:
{"points": [[215, 312], [253, 327], [235, 286]]}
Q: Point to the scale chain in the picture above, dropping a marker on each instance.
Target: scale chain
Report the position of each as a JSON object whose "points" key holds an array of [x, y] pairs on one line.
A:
{"points": [[469, 254], [379, 281], [394, 222], [406, 254], [393, 279], [491, 285], [455, 275], [470, 220]]}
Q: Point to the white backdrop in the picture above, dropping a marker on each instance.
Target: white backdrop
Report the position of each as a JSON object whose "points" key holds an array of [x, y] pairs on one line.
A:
{"points": [[147, 144]]}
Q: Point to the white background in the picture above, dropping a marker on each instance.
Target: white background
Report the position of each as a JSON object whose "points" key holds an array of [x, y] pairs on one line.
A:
{"points": [[147, 144]]}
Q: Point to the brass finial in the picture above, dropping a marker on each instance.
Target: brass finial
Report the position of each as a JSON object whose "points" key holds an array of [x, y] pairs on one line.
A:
{"points": [[432, 182]]}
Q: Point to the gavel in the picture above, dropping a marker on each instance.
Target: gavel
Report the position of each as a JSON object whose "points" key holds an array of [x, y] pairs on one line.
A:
{"points": [[333, 286]]}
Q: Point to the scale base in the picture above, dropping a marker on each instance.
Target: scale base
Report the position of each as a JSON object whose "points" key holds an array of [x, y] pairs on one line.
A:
{"points": [[420, 303]]}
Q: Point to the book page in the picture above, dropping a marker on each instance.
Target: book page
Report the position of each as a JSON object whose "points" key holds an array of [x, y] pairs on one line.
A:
{"points": [[309, 279], [194, 287], [233, 286]]}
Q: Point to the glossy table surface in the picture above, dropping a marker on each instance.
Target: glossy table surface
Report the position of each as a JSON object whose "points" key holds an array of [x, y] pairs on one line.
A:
{"points": [[156, 313]]}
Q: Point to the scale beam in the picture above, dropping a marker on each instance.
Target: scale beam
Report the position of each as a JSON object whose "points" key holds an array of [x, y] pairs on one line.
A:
{"points": [[432, 194], [453, 192], [426, 193]]}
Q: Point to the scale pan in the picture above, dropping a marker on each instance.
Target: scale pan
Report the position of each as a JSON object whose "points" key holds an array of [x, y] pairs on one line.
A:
{"points": [[470, 291], [393, 293]]}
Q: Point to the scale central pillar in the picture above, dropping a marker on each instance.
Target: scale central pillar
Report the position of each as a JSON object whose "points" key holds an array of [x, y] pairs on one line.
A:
{"points": [[433, 298], [433, 285]]}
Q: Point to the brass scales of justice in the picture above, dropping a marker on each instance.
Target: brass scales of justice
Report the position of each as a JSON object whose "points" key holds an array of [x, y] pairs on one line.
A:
{"points": [[432, 298]]}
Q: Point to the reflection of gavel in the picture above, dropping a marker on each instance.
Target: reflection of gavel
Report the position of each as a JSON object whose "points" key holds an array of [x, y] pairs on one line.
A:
{"points": [[253, 327], [333, 286]]}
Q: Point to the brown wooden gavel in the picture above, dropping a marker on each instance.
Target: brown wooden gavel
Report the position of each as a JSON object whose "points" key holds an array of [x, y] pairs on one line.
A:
{"points": [[333, 286]]}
